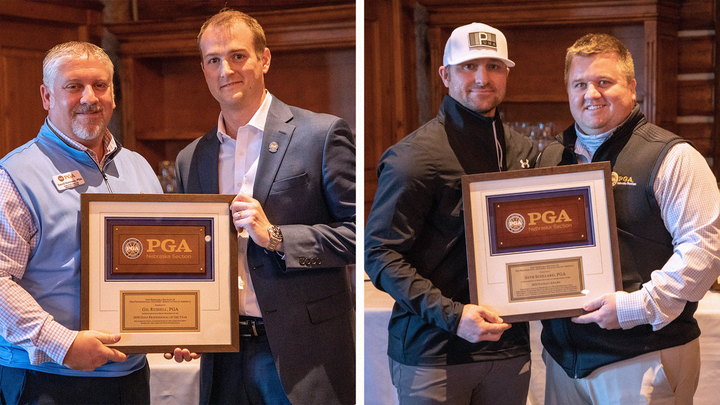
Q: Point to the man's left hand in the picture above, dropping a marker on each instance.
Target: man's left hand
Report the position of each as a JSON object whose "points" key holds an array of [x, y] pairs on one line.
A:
{"points": [[249, 215], [602, 311]]}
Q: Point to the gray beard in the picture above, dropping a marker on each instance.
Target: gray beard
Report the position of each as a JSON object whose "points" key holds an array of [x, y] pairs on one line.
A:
{"points": [[87, 134]]}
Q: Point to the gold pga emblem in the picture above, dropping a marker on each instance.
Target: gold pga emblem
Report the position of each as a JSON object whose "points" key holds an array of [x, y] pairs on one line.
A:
{"points": [[132, 248], [515, 223], [614, 178]]}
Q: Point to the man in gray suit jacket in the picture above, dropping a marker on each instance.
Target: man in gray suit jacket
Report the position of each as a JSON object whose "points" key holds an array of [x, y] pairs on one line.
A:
{"points": [[294, 175]]}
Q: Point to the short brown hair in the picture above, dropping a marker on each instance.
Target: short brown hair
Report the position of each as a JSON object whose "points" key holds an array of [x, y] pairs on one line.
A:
{"points": [[592, 44], [227, 17]]}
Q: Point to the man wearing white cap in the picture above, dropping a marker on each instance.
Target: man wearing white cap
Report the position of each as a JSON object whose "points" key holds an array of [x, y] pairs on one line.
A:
{"points": [[443, 349]]}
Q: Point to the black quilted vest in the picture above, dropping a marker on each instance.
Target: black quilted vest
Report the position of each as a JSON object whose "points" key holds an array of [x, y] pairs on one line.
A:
{"points": [[636, 150]]}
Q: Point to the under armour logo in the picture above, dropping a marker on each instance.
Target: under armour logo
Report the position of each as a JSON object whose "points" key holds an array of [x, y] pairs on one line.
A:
{"points": [[524, 164]]}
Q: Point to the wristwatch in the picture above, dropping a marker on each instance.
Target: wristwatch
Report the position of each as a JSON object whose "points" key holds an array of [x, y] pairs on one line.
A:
{"points": [[275, 237]]}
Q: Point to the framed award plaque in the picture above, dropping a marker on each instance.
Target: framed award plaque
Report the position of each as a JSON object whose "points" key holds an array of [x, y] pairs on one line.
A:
{"points": [[541, 242], [160, 270]]}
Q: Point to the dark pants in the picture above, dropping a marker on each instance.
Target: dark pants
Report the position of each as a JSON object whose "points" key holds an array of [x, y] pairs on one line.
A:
{"points": [[20, 386], [245, 378]]}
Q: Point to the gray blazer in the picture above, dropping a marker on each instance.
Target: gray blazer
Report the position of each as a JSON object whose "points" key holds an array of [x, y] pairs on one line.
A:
{"points": [[306, 185]]}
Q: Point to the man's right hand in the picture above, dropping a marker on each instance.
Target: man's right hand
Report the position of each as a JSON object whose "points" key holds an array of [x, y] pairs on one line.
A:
{"points": [[88, 351], [478, 324]]}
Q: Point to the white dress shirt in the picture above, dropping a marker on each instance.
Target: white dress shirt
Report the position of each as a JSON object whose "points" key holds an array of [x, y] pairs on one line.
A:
{"points": [[237, 168]]}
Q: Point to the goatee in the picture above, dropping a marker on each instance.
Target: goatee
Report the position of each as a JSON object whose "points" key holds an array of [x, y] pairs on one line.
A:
{"points": [[89, 130]]}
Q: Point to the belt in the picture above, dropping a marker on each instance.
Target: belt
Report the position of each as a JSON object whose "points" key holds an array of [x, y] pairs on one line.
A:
{"points": [[251, 326]]}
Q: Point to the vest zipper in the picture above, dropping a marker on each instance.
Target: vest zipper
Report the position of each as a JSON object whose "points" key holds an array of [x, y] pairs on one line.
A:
{"points": [[106, 182], [102, 172]]}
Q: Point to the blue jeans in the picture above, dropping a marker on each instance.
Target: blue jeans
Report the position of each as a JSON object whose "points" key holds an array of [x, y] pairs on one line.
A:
{"points": [[248, 377]]}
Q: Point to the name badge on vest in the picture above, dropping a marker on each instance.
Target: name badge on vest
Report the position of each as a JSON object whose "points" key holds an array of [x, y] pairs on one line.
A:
{"points": [[68, 180]]}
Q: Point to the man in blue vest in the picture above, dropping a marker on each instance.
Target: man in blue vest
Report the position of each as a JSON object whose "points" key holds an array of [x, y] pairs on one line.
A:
{"points": [[43, 356], [639, 345]]}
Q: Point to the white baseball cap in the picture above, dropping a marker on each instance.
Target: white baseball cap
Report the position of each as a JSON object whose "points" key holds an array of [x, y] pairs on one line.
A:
{"points": [[474, 41]]}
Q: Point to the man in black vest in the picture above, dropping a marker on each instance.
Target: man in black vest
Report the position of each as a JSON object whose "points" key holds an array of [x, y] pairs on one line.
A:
{"points": [[639, 345], [442, 349]]}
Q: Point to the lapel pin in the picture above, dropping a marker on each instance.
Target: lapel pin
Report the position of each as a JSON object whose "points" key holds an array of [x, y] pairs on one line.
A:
{"points": [[274, 147]]}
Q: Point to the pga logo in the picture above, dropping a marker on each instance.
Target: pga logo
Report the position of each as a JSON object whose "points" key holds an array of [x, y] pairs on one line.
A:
{"points": [[168, 246], [549, 217], [132, 248], [65, 181], [65, 177], [515, 223]]}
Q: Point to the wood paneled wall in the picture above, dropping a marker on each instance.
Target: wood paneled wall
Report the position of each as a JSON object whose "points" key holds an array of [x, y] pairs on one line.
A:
{"points": [[163, 101], [673, 43], [697, 78], [166, 103], [27, 31], [390, 89]]}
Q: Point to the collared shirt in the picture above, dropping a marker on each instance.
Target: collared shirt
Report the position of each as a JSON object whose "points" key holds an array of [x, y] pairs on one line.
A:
{"points": [[22, 320], [108, 144], [687, 193], [586, 145], [237, 168]]}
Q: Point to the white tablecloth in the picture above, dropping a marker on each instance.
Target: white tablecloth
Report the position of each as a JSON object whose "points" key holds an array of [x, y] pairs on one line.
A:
{"points": [[380, 391], [173, 383]]}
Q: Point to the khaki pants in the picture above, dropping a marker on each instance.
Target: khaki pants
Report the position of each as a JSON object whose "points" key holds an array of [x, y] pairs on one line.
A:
{"points": [[668, 376], [499, 382]]}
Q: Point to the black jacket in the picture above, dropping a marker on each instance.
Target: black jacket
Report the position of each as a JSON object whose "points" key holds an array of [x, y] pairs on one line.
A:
{"points": [[415, 235]]}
